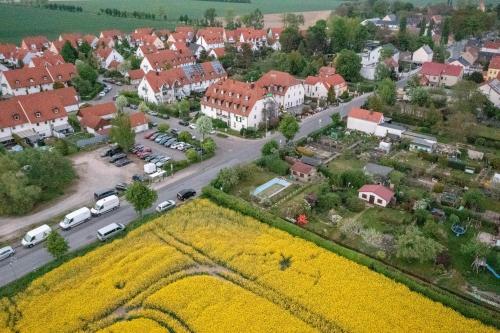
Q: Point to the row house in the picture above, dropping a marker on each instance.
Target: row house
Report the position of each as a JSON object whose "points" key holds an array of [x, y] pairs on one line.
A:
{"points": [[217, 53], [47, 58], [239, 104], [33, 117], [162, 34], [173, 84], [183, 34], [35, 43], [210, 40], [7, 52], [145, 31], [135, 76], [437, 74], [288, 92], [165, 59], [141, 39], [25, 81], [113, 34], [105, 42], [318, 87], [97, 119], [143, 50], [109, 58]]}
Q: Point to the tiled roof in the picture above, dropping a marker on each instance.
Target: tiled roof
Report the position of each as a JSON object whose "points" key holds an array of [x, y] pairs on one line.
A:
{"points": [[273, 80], [27, 77], [145, 30], [379, 190], [367, 115], [210, 31], [147, 49], [492, 44], [47, 59], [437, 69], [161, 59], [11, 113], [184, 28], [211, 38], [67, 95], [301, 167], [104, 53], [233, 96], [7, 50], [329, 81], [156, 80], [62, 72], [276, 32], [326, 71], [94, 122], [138, 119], [494, 63], [251, 34], [38, 41], [136, 74], [181, 36], [98, 110], [112, 33], [219, 51]]}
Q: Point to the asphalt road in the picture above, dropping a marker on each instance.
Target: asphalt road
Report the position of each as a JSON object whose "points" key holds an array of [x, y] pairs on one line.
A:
{"points": [[196, 177]]}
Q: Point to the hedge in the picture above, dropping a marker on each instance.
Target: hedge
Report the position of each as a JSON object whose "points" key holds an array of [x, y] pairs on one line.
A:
{"points": [[467, 307]]}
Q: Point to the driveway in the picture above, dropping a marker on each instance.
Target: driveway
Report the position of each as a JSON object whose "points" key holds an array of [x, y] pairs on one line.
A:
{"points": [[94, 173]]}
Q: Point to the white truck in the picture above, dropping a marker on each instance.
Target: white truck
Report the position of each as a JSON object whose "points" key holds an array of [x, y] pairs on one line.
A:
{"points": [[75, 218], [105, 205], [36, 236]]}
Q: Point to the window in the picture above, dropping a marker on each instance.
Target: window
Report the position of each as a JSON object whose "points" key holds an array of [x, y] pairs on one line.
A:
{"points": [[55, 110], [364, 196], [16, 117], [38, 114], [379, 201]]}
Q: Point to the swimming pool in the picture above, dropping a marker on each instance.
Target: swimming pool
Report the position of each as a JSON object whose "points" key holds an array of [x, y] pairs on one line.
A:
{"points": [[271, 188]]}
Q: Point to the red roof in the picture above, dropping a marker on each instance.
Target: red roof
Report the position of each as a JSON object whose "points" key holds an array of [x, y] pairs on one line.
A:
{"points": [[273, 80], [67, 95], [27, 77], [367, 115], [138, 119], [99, 110], [326, 71], [38, 42], [7, 50], [378, 190], [94, 122], [62, 72], [251, 34], [233, 96], [492, 44], [114, 33], [300, 167], [219, 52], [147, 49], [47, 59], [148, 31], [437, 69], [494, 63], [328, 81], [135, 74], [161, 59], [210, 30], [104, 53]]}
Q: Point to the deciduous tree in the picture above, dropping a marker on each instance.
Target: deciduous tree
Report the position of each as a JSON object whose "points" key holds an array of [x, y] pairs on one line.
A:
{"points": [[122, 132], [140, 196], [289, 126], [56, 245], [348, 64], [204, 126]]}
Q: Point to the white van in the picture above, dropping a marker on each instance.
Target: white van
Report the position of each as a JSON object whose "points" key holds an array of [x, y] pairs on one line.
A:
{"points": [[75, 218], [109, 231], [36, 236], [105, 205]]}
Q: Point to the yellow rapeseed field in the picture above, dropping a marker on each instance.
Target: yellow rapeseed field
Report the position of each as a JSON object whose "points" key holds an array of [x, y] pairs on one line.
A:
{"points": [[204, 268]]}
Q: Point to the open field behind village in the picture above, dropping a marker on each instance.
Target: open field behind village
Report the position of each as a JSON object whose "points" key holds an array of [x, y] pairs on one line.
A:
{"points": [[199, 267]]}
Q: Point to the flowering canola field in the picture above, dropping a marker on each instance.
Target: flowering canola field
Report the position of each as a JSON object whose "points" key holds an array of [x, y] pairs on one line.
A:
{"points": [[203, 268]]}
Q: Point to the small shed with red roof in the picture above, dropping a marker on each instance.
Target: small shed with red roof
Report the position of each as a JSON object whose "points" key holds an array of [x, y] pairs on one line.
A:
{"points": [[376, 194], [302, 172], [364, 120]]}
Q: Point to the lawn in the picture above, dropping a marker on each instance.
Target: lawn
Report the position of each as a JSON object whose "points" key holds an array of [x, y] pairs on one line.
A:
{"points": [[246, 187], [386, 220], [341, 164], [199, 267]]}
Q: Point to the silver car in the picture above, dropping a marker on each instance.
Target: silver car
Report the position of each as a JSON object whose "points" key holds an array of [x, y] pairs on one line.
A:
{"points": [[6, 252]]}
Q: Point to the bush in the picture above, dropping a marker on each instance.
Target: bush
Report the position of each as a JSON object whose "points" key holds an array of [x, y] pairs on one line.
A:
{"points": [[305, 151], [270, 147], [438, 188], [327, 201], [274, 164], [354, 204]]}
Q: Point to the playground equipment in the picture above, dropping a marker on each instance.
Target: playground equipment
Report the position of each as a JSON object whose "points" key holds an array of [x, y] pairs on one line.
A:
{"points": [[481, 262], [458, 229]]}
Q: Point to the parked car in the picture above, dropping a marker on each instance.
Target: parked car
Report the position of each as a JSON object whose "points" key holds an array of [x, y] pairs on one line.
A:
{"points": [[98, 195], [105, 205], [165, 139], [160, 137], [6, 252], [175, 145], [122, 162], [174, 131], [117, 157], [102, 94], [75, 218], [154, 136], [143, 154], [121, 186], [150, 157], [109, 231], [165, 205], [170, 142], [147, 136], [193, 126], [36, 236], [152, 124], [138, 178], [111, 151], [133, 107], [183, 123], [164, 116], [186, 194], [153, 113]]}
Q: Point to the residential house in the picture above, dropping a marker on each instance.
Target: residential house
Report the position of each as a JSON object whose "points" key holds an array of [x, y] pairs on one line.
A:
{"points": [[97, 119], [173, 84], [370, 58], [35, 43], [145, 30], [109, 58], [210, 38], [112, 34], [390, 21], [423, 54], [379, 173], [135, 76], [68, 96], [32, 117], [239, 104], [302, 172], [365, 121], [491, 89], [167, 59], [464, 63], [256, 38], [273, 38], [162, 34], [217, 53], [318, 87], [23, 57], [143, 50], [47, 58], [105, 42], [287, 91], [420, 142], [139, 122], [141, 39], [92, 40], [493, 68], [7, 52], [437, 74], [327, 71], [489, 50], [376, 194], [182, 34]]}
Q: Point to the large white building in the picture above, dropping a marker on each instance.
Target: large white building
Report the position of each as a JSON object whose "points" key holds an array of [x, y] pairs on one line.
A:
{"points": [[491, 90], [287, 90], [239, 104], [171, 85]]}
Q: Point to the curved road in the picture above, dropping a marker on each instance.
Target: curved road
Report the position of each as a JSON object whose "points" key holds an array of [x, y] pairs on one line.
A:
{"points": [[196, 176]]}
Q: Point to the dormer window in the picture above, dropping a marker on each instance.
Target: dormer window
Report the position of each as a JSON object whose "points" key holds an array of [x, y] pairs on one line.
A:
{"points": [[31, 80], [238, 95], [230, 93], [235, 106], [38, 114], [55, 110], [17, 82], [59, 76], [16, 116], [246, 98], [227, 104]]}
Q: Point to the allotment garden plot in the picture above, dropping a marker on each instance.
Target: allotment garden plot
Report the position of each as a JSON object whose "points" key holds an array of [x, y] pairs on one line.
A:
{"points": [[203, 268]]}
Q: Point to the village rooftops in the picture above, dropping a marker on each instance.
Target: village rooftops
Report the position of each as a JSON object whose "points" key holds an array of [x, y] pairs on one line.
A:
{"points": [[438, 69]]}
